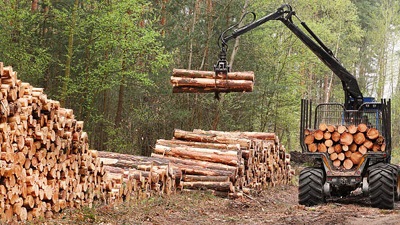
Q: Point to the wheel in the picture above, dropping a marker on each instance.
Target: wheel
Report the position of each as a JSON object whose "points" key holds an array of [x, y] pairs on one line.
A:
{"points": [[311, 184], [381, 188], [396, 181]]}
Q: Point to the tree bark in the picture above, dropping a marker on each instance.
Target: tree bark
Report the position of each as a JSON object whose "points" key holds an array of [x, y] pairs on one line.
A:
{"points": [[194, 178], [70, 51], [192, 136], [183, 73], [194, 21], [209, 84], [120, 100], [34, 5], [190, 163], [228, 158], [210, 26], [203, 185], [237, 40], [136, 159], [234, 147], [246, 135]]}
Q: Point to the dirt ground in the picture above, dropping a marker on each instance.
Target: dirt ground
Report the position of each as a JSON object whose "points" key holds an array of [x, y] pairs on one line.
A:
{"points": [[276, 205]]}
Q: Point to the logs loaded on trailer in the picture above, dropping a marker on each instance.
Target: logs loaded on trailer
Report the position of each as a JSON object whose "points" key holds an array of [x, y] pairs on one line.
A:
{"points": [[196, 81], [345, 145]]}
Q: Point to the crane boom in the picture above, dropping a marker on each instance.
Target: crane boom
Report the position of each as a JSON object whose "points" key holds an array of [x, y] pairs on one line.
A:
{"points": [[353, 95]]}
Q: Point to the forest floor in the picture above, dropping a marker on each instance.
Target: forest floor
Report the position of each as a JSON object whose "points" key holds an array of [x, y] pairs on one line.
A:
{"points": [[275, 205]]}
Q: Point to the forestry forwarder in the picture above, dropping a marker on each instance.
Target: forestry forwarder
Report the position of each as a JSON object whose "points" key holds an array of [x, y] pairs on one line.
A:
{"points": [[373, 174]]}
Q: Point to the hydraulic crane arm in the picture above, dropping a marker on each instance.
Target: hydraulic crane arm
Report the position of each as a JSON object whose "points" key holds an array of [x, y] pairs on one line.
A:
{"points": [[353, 95]]}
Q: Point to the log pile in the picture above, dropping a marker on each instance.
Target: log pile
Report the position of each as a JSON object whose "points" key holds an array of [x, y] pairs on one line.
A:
{"points": [[45, 161], [265, 162], [345, 145], [226, 162], [194, 81], [138, 176]]}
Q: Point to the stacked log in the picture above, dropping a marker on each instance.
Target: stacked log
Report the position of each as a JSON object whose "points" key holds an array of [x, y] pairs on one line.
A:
{"points": [[45, 161], [194, 81], [265, 161], [344, 145], [226, 162], [143, 176]]}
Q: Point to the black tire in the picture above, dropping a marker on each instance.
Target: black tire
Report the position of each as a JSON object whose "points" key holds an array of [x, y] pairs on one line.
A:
{"points": [[381, 188], [396, 182], [311, 184]]}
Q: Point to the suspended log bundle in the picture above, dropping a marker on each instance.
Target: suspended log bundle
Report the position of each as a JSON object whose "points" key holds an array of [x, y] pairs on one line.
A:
{"points": [[226, 162], [344, 145], [195, 81]]}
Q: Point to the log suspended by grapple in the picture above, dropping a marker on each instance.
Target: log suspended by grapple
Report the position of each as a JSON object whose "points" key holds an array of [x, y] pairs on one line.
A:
{"points": [[197, 81]]}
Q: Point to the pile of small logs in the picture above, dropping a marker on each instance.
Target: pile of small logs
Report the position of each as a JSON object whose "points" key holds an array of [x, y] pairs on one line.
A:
{"points": [[345, 145], [226, 162], [194, 81], [133, 176], [264, 159]]}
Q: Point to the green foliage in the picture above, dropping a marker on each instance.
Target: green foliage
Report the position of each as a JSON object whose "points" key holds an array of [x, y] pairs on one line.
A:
{"points": [[117, 139], [28, 55]]}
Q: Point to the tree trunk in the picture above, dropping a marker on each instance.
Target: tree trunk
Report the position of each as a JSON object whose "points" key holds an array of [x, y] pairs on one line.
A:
{"points": [[34, 5], [210, 27], [228, 158], [194, 21], [134, 159], [203, 85], [198, 163], [237, 40], [203, 185], [246, 135], [194, 178], [120, 103], [328, 81], [174, 142], [191, 136], [70, 51], [183, 73], [120, 100]]}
